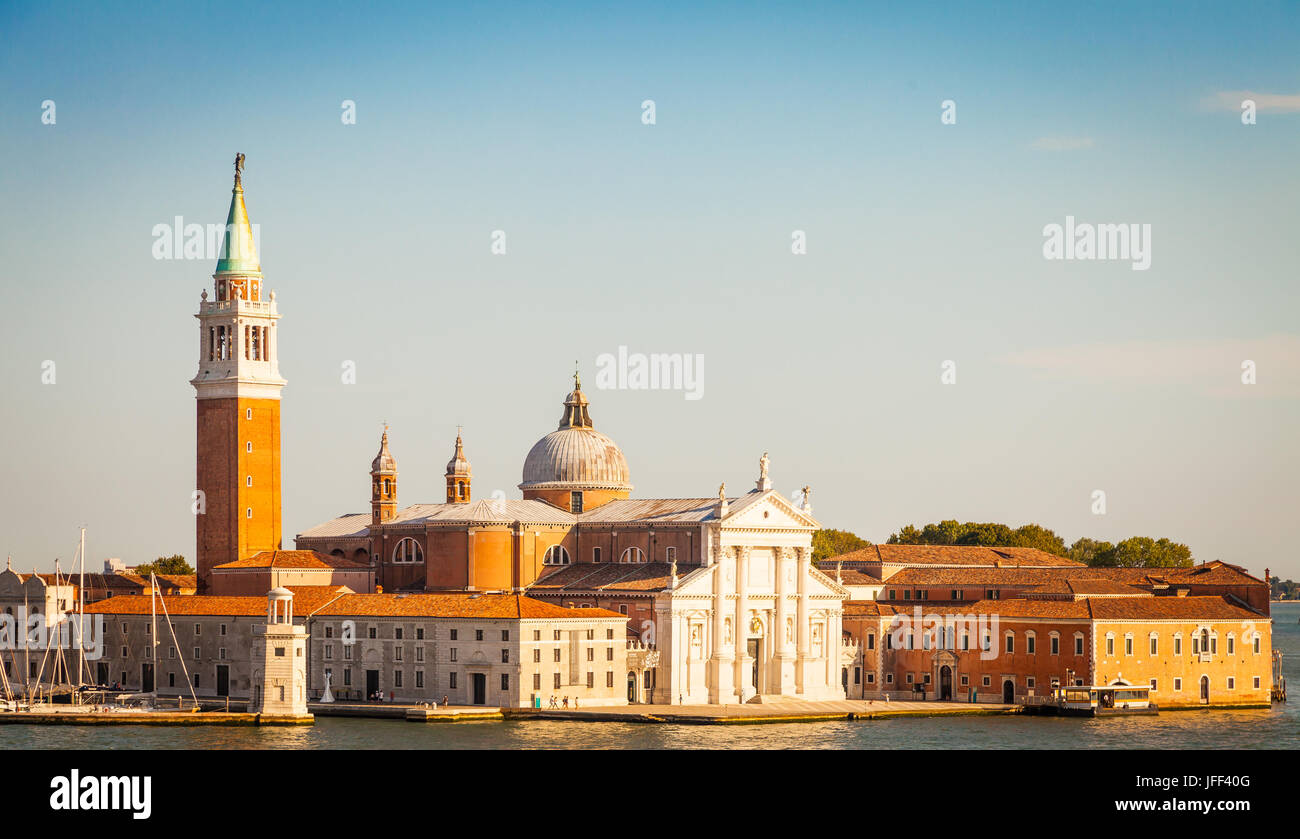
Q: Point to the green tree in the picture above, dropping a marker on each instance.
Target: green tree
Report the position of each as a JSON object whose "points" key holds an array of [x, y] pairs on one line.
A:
{"points": [[989, 534], [1145, 552], [828, 543], [1091, 552], [174, 564]]}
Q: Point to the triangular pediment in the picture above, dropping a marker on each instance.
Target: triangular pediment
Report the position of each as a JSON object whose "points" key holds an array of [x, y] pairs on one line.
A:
{"points": [[767, 509]]}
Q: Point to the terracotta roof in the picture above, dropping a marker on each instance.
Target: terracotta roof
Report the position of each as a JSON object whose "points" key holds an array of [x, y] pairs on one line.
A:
{"points": [[868, 609], [632, 576], [455, 605], [1167, 608], [194, 604], [1017, 608], [977, 555], [347, 526], [294, 559]]}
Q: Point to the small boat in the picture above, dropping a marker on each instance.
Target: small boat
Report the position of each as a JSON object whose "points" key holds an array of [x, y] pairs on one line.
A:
{"points": [[1116, 699]]}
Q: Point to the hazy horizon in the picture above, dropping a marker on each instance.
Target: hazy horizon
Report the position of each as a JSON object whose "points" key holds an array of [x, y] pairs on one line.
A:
{"points": [[925, 244]]}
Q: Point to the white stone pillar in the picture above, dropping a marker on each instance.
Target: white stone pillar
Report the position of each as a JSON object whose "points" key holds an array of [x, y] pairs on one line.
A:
{"points": [[741, 627], [801, 618], [721, 654]]}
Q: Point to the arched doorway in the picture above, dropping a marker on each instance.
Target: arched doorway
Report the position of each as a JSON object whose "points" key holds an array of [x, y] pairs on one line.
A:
{"points": [[844, 679], [631, 686], [1205, 690], [1009, 692], [945, 683]]}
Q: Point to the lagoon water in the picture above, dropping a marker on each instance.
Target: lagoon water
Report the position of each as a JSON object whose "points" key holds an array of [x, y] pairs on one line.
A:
{"points": [[1275, 728]]}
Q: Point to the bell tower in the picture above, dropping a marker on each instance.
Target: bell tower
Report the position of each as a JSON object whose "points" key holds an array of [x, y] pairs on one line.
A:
{"points": [[383, 483], [237, 392], [458, 475]]}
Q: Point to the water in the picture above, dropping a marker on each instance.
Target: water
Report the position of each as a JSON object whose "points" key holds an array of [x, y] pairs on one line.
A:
{"points": [[1278, 727]]}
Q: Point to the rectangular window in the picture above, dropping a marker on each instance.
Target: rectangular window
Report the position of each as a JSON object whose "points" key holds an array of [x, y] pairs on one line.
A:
{"points": [[1056, 645], [372, 631], [1232, 645], [1110, 646], [591, 635], [595, 554], [1256, 683], [1030, 681], [196, 679], [198, 628], [871, 678], [347, 653], [609, 635], [171, 652], [591, 679], [1178, 645], [478, 635], [329, 631], [453, 634], [221, 653], [1128, 645], [397, 678], [537, 681], [1078, 645], [1031, 645], [279, 651], [453, 654], [871, 640], [419, 678], [419, 653], [347, 676], [451, 680], [171, 680], [1154, 684], [1232, 683], [397, 653], [1155, 645], [557, 654], [986, 681], [505, 656], [591, 654], [197, 653], [397, 633], [622, 608], [419, 633], [1011, 643], [1256, 642], [557, 681], [1178, 684], [537, 655], [609, 678], [609, 654]]}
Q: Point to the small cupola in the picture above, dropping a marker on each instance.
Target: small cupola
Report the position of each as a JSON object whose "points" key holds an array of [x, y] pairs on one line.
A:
{"points": [[458, 474]]}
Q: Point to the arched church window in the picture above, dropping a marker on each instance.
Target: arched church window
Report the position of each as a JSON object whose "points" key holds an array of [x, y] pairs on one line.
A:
{"points": [[632, 555], [556, 555], [408, 551]]}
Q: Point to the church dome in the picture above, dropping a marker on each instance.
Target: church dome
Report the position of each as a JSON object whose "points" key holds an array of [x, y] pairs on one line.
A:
{"points": [[576, 455]]}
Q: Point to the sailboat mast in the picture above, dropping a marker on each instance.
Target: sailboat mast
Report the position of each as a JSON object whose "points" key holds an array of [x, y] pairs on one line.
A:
{"points": [[81, 611], [153, 635]]}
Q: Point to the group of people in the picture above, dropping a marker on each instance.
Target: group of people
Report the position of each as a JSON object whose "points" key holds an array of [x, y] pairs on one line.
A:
{"points": [[556, 702]]}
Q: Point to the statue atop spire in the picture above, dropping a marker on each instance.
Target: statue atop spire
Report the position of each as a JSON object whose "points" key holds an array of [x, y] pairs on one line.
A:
{"points": [[764, 483], [577, 380], [239, 167]]}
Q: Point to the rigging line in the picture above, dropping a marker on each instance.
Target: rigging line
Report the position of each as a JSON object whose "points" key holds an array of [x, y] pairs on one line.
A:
{"points": [[154, 582]]}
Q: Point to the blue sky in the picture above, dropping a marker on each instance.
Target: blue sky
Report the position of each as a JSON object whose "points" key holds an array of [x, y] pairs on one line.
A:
{"points": [[924, 245]]}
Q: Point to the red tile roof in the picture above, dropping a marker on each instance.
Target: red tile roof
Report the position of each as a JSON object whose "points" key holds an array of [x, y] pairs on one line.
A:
{"points": [[293, 559], [975, 555], [1168, 608], [456, 605]]}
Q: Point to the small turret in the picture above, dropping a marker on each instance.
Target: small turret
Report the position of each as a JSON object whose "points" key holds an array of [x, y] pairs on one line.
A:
{"points": [[383, 483], [458, 474]]}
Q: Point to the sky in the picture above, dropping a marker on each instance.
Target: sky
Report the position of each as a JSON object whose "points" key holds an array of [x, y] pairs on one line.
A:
{"points": [[925, 256]]}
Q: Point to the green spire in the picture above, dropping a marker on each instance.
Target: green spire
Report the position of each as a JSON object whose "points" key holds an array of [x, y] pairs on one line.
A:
{"points": [[238, 250]]}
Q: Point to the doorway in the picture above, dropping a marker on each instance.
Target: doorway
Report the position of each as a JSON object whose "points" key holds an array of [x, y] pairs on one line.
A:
{"points": [[479, 682], [223, 680], [631, 687], [945, 683], [753, 647], [372, 683], [146, 678], [1009, 692], [101, 673], [1205, 690]]}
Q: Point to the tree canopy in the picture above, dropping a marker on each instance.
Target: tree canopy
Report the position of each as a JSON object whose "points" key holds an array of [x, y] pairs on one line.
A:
{"points": [[174, 564], [828, 543], [1134, 552]]}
